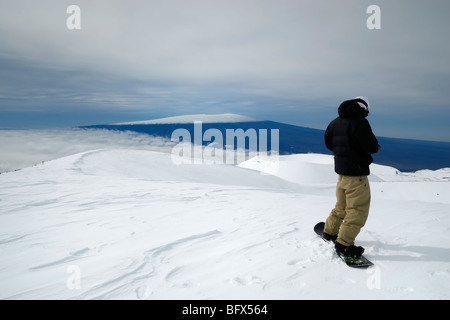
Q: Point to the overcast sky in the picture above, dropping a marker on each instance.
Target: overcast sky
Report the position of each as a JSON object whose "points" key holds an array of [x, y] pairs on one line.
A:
{"points": [[292, 61]]}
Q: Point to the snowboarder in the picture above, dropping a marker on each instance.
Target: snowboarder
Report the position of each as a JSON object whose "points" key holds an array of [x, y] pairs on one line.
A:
{"points": [[352, 141]]}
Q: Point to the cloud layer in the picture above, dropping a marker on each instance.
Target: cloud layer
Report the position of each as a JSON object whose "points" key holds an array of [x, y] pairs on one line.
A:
{"points": [[24, 148], [141, 59]]}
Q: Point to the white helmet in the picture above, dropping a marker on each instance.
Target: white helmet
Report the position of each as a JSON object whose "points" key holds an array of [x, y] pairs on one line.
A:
{"points": [[363, 103]]}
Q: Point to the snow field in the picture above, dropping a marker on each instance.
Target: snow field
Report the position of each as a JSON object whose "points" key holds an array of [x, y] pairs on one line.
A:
{"points": [[130, 224]]}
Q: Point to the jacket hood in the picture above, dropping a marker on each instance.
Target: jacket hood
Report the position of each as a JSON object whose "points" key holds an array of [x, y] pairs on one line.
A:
{"points": [[351, 108]]}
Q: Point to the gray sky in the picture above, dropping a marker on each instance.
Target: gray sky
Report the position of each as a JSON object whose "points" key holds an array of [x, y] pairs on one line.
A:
{"points": [[292, 61]]}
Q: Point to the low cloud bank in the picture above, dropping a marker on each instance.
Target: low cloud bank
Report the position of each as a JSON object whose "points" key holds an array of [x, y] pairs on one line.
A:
{"points": [[24, 148]]}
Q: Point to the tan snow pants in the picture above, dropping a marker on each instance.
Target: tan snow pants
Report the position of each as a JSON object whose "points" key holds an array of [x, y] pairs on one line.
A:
{"points": [[351, 210]]}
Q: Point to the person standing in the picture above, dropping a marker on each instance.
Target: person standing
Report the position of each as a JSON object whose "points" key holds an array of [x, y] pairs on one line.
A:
{"points": [[352, 142]]}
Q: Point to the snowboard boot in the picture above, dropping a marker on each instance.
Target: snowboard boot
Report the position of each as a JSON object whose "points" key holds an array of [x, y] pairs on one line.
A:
{"points": [[348, 251], [329, 237]]}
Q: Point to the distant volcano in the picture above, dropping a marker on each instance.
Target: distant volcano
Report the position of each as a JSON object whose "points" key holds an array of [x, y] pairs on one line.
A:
{"points": [[404, 154]]}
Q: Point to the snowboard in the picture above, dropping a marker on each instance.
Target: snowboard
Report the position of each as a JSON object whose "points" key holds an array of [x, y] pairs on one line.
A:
{"points": [[361, 262]]}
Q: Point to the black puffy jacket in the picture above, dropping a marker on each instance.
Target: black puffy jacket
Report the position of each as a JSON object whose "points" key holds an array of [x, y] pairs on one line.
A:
{"points": [[351, 139]]}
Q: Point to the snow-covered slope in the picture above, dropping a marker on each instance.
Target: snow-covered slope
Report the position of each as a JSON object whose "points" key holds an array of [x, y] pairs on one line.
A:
{"points": [[387, 182], [205, 118], [116, 224]]}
